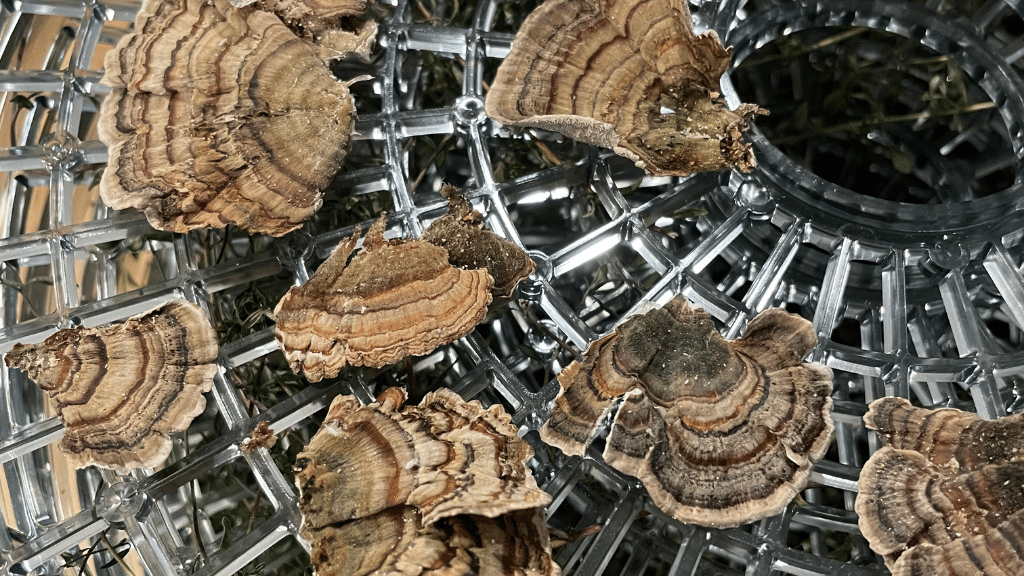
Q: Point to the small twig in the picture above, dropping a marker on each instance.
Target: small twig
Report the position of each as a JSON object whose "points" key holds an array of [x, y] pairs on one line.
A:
{"points": [[195, 523], [664, 231], [423, 10], [412, 378], [224, 245], [430, 161], [940, 59], [430, 18], [806, 49], [544, 150], [255, 385], [405, 150], [195, 515], [559, 538], [602, 305], [255, 508], [483, 83], [117, 557], [88, 554], [14, 124], [18, 285], [884, 120]]}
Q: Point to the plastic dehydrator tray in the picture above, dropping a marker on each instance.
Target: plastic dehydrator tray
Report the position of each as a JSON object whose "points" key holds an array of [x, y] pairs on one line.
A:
{"points": [[921, 297]]}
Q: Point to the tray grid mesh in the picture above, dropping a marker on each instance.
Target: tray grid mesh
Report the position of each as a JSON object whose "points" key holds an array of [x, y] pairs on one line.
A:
{"points": [[919, 301]]}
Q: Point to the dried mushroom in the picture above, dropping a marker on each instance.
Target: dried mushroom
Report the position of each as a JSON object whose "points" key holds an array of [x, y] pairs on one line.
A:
{"points": [[262, 436], [121, 390], [720, 432], [220, 116], [946, 493], [470, 244], [393, 541], [993, 553], [394, 299], [445, 457], [440, 488], [334, 28], [947, 437], [627, 75]]}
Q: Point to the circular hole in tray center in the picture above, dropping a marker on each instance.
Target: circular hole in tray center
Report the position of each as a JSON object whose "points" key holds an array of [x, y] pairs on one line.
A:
{"points": [[879, 114]]}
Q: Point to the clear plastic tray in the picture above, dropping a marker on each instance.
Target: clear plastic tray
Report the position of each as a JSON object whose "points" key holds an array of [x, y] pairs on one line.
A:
{"points": [[921, 299]]}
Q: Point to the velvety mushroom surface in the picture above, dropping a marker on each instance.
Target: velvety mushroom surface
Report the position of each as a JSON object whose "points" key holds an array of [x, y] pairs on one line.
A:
{"points": [[121, 390], [946, 493], [441, 488], [629, 75], [220, 115], [720, 432], [394, 299], [463, 233]]}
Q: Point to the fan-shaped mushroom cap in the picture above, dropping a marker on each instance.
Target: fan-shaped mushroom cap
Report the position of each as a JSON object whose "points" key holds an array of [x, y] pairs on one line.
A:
{"points": [[588, 390], [121, 390], [445, 457], [463, 233], [220, 116], [994, 553], [394, 542], [394, 299], [947, 487], [946, 435], [602, 71], [441, 488], [904, 500], [717, 437]]}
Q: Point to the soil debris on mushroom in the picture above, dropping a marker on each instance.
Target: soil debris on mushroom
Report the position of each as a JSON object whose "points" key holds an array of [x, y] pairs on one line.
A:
{"points": [[470, 244]]}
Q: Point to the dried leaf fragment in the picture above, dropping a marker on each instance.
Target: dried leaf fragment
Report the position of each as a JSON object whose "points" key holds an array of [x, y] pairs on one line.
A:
{"points": [[220, 116], [946, 493], [720, 432], [628, 75], [121, 390], [463, 233], [262, 436], [394, 299], [440, 488]]}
